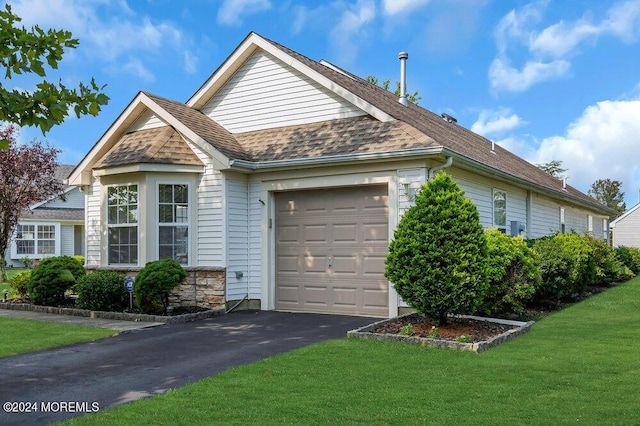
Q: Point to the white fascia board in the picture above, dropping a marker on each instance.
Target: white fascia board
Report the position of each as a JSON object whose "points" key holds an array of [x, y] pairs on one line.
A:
{"points": [[148, 167], [247, 48], [222, 160], [81, 175], [627, 213], [51, 198]]}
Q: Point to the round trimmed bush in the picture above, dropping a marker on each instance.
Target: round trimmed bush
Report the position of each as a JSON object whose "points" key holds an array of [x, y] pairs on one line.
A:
{"points": [[102, 291], [154, 284], [52, 278], [438, 256]]}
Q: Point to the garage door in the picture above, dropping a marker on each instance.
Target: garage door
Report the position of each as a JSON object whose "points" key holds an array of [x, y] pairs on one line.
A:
{"points": [[330, 250]]}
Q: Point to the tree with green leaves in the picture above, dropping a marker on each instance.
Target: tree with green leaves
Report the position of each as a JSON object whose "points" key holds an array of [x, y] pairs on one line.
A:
{"points": [[554, 168], [608, 193], [437, 259], [411, 97], [24, 51]]}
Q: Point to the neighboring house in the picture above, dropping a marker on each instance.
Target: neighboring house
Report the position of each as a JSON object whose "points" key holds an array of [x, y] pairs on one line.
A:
{"points": [[50, 228], [626, 228], [281, 181]]}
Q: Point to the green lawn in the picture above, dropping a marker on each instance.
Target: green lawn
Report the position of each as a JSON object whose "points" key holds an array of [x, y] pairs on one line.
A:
{"points": [[579, 365], [21, 335]]}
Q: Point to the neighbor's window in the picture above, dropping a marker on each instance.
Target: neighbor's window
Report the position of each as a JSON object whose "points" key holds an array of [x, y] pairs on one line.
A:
{"points": [[500, 209], [173, 222], [35, 239], [122, 224]]}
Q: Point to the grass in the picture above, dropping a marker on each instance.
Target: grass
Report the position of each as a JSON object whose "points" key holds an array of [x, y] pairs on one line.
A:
{"points": [[579, 365], [22, 335]]}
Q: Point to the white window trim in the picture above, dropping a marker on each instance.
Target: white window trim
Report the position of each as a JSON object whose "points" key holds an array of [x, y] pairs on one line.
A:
{"points": [[493, 209], [107, 225], [57, 244], [188, 223]]}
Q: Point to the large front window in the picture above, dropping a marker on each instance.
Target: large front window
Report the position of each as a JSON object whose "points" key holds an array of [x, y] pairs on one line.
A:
{"points": [[122, 224], [173, 222], [35, 240]]}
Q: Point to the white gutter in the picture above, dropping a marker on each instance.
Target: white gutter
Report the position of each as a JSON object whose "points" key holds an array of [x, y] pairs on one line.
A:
{"points": [[433, 170], [322, 161]]}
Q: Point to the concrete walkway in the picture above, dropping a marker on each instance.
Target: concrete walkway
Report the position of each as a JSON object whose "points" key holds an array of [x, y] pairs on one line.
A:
{"points": [[146, 362], [69, 319]]}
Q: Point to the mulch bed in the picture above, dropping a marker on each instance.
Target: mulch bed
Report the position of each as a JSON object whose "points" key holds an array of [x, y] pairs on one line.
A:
{"points": [[468, 329]]}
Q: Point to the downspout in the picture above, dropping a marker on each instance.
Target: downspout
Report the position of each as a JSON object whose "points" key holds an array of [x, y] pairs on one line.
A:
{"points": [[433, 170]]}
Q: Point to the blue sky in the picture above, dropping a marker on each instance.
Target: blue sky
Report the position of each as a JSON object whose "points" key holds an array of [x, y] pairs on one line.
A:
{"points": [[549, 79]]}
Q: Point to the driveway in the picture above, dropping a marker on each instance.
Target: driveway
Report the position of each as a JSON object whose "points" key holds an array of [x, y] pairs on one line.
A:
{"points": [[146, 362]]}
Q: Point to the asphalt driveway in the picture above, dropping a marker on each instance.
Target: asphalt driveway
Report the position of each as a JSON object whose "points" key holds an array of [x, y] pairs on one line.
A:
{"points": [[89, 376]]}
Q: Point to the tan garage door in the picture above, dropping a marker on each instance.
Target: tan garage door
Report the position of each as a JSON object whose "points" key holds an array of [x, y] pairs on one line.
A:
{"points": [[330, 250]]}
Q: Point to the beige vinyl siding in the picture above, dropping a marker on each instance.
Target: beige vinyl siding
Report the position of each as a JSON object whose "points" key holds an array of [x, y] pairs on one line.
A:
{"points": [[67, 237], [74, 200], [575, 220], [211, 217], [266, 93], [414, 178], [93, 230], [237, 239], [627, 229], [545, 216], [256, 210], [147, 120]]}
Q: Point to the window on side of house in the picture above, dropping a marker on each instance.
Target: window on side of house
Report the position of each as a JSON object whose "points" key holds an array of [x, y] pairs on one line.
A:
{"points": [[35, 240], [173, 222], [500, 209], [122, 224]]}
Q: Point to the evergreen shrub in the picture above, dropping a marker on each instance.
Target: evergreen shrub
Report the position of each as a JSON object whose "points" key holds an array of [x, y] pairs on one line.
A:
{"points": [[513, 274], [102, 291], [438, 256], [52, 277], [154, 283]]}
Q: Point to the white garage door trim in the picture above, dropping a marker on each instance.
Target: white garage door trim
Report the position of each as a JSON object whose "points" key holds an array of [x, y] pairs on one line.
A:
{"points": [[330, 248], [283, 182]]}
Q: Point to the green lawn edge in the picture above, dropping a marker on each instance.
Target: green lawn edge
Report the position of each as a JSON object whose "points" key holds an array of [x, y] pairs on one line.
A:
{"points": [[21, 336], [578, 365]]}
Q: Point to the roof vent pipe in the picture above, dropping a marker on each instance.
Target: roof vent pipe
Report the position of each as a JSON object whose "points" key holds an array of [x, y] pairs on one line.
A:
{"points": [[403, 56]]}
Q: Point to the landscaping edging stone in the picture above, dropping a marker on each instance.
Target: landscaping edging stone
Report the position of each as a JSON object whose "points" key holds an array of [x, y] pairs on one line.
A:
{"points": [[368, 332], [123, 316]]}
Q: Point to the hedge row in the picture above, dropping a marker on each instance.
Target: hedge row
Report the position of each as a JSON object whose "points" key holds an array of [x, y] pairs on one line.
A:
{"points": [[551, 270]]}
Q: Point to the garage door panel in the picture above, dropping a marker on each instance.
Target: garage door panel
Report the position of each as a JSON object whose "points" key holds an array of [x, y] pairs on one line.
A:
{"points": [[338, 255], [314, 233]]}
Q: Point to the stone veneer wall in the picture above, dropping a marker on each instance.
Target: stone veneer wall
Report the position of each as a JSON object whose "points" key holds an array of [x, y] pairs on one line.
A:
{"points": [[203, 286]]}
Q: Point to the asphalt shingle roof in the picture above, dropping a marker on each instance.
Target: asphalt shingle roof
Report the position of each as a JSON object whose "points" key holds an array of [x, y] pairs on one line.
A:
{"points": [[414, 127], [161, 145]]}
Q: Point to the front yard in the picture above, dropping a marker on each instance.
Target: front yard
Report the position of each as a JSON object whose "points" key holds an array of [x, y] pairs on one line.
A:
{"points": [[578, 365]]}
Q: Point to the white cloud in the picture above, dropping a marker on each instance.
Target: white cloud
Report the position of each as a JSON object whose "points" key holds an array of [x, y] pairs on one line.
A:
{"points": [[601, 144], [352, 25], [397, 7], [502, 76], [623, 20], [561, 39], [231, 10], [136, 68], [190, 62], [496, 122], [551, 48], [107, 30]]}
